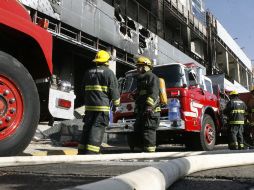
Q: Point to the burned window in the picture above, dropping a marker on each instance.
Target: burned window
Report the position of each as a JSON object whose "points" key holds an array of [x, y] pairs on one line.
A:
{"points": [[144, 35], [55, 4]]}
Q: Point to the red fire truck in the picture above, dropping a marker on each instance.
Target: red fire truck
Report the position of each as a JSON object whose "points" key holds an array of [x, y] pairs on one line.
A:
{"points": [[30, 89], [25, 48], [200, 121]]}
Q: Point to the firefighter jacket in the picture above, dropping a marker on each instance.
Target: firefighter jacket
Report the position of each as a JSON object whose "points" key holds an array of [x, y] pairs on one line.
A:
{"points": [[250, 106], [235, 111], [101, 88], [147, 92]]}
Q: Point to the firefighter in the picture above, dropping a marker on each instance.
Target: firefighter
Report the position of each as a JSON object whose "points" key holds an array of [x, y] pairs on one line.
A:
{"points": [[250, 127], [100, 88], [147, 107], [235, 111], [250, 106]]}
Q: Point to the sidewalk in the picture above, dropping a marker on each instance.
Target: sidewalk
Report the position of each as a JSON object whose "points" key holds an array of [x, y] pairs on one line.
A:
{"points": [[43, 145]]}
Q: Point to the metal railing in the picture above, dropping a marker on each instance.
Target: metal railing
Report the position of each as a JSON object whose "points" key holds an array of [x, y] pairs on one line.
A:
{"points": [[134, 10], [142, 16]]}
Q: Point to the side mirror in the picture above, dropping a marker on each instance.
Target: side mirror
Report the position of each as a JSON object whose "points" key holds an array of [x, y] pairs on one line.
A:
{"points": [[202, 91]]}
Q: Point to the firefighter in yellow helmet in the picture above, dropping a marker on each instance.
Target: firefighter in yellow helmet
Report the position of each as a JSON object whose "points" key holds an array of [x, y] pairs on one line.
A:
{"points": [[147, 107], [100, 89], [235, 111]]}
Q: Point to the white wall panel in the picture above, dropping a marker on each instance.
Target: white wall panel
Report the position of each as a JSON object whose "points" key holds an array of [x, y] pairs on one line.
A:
{"points": [[240, 88], [185, 3], [225, 36]]}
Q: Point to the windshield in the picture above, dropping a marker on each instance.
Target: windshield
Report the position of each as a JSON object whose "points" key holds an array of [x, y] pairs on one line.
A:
{"points": [[172, 74], [130, 83]]}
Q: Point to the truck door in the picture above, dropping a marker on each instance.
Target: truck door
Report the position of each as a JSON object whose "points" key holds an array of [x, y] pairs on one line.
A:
{"points": [[210, 97], [196, 100]]}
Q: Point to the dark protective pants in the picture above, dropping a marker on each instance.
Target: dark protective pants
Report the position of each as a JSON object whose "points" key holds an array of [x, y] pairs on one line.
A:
{"points": [[93, 130], [145, 131], [236, 136]]}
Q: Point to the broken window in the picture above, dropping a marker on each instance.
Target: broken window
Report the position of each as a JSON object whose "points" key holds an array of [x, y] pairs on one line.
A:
{"points": [[144, 35], [56, 5], [125, 25]]}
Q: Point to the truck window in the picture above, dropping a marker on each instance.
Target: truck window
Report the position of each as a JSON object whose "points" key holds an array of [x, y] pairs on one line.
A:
{"points": [[130, 83], [208, 85], [171, 74], [192, 78]]}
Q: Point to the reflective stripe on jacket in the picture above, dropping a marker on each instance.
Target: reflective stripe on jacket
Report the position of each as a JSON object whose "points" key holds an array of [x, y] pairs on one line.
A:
{"points": [[235, 110], [100, 88], [148, 92]]}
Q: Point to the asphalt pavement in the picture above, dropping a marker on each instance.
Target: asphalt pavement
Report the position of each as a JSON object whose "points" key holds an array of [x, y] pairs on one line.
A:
{"points": [[234, 178], [64, 175], [58, 176]]}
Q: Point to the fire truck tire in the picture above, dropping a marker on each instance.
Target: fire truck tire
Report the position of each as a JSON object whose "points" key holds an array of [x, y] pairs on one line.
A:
{"points": [[207, 133], [205, 140], [20, 104]]}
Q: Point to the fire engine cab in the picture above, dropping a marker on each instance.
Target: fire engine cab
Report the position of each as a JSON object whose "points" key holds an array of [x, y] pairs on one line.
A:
{"points": [[192, 116]]}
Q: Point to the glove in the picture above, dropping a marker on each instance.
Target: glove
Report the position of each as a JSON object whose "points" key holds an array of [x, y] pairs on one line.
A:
{"points": [[115, 108], [163, 105]]}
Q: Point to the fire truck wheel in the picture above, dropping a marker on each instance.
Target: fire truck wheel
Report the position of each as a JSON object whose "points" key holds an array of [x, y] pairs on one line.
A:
{"points": [[19, 106], [208, 133]]}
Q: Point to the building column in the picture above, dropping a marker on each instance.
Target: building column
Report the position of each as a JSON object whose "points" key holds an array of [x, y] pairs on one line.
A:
{"points": [[188, 38], [157, 8], [247, 79], [112, 62], [226, 65], [238, 78]]}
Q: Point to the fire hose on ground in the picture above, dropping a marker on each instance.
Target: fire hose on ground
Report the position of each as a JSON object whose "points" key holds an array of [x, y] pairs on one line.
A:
{"points": [[163, 175], [159, 176]]}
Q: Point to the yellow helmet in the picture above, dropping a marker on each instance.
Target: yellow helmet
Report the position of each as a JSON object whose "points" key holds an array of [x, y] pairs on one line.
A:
{"points": [[144, 61], [234, 92], [252, 89], [102, 57]]}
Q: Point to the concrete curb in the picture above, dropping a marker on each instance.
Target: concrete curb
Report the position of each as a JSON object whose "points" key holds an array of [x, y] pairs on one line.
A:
{"points": [[163, 175], [31, 160]]}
